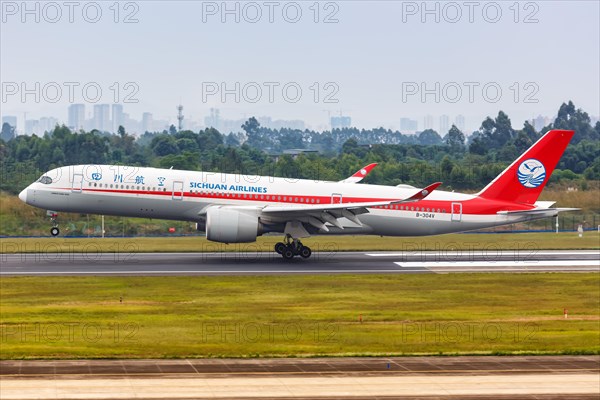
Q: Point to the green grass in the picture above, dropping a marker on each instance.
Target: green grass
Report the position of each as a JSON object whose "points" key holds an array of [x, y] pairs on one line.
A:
{"points": [[492, 242], [250, 316]]}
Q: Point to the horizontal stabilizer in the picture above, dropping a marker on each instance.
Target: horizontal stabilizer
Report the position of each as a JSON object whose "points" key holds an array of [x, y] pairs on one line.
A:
{"points": [[538, 211]]}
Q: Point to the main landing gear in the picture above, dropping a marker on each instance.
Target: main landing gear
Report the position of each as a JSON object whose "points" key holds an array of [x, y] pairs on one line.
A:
{"points": [[54, 231], [291, 247]]}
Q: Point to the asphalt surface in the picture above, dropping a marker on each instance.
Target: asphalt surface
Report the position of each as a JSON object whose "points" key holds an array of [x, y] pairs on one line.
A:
{"points": [[225, 368], [255, 263], [519, 377]]}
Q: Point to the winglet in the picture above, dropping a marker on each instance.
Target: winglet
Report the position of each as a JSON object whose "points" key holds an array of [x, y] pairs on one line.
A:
{"points": [[421, 194], [360, 174]]}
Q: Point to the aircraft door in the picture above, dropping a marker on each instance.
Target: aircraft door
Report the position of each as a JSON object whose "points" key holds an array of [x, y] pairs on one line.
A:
{"points": [[336, 198], [177, 190], [77, 183], [456, 212]]}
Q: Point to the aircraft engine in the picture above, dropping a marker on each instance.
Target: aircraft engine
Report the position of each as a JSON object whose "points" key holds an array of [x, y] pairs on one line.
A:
{"points": [[231, 226]]}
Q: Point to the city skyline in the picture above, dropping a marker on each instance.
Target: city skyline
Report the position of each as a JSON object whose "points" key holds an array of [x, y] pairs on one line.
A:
{"points": [[108, 118], [376, 74]]}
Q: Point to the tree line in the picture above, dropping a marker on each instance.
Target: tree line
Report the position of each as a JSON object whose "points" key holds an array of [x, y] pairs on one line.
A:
{"points": [[465, 163]]}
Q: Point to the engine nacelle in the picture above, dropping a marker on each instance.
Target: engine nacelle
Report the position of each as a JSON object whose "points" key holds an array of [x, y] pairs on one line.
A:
{"points": [[231, 226]]}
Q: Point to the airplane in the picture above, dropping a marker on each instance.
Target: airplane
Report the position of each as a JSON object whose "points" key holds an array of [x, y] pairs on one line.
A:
{"points": [[234, 208]]}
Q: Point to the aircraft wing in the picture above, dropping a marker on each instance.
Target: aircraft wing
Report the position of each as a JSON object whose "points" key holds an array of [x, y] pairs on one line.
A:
{"points": [[318, 214], [360, 174]]}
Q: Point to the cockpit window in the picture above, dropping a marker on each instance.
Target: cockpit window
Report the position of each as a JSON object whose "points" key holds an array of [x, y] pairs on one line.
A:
{"points": [[46, 180]]}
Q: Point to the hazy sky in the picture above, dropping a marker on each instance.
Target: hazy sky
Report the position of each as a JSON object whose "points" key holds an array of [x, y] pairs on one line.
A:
{"points": [[373, 58]]}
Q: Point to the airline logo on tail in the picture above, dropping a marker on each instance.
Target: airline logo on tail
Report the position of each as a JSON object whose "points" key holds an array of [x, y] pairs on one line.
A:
{"points": [[531, 173]]}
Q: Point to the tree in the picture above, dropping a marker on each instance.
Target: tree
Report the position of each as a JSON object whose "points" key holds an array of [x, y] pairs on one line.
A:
{"points": [[8, 132], [446, 167], [232, 141], [503, 131], [530, 131], [455, 139], [252, 129], [522, 142], [350, 146], [570, 118], [164, 145], [172, 130], [429, 137], [477, 145]]}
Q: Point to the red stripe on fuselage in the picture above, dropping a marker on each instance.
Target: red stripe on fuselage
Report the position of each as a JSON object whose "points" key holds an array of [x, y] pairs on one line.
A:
{"points": [[475, 206]]}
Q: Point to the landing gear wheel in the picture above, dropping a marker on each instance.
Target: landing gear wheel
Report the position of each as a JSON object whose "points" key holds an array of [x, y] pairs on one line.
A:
{"points": [[279, 248], [305, 252], [54, 231], [288, 253]]}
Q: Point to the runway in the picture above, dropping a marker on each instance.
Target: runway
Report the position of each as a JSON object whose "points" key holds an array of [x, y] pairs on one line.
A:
{"points": [[523, 377], [257, 263]]}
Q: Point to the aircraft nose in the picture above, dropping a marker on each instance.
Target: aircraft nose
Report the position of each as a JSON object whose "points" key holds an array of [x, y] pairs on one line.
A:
{"points": [[23, 195]]}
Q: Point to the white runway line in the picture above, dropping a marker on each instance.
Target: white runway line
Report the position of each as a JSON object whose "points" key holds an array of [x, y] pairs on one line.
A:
{"points": [[499, 264], [490, 253], [502, 263]]}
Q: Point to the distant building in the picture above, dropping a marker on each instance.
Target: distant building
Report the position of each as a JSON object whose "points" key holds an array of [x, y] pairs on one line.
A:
{"points": [[117, 117], [213, 120], [32, 126], [101, 120], [268, 122], [340, 122], [459, 121], [428, 122], [47, 124], [76, 118], [540, 122], [408, 125], [147, 122], [444, 124], [294, 153]]}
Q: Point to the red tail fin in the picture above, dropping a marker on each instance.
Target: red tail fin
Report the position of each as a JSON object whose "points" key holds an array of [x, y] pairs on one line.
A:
{"points": [[524, 179]]}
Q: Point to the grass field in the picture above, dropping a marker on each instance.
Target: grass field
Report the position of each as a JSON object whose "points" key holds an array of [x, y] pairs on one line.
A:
{"points": [[251, 316], [490, 242]]}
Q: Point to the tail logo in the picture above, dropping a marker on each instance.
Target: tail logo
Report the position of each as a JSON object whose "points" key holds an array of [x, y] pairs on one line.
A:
{"points": [[531, 173]]}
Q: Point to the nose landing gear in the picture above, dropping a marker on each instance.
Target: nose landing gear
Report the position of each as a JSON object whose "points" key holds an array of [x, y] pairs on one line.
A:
{"points": [[291, 247], [54, 231]]}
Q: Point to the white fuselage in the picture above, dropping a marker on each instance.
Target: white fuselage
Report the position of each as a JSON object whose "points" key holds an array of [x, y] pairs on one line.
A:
{"points": [[184, 195]]}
